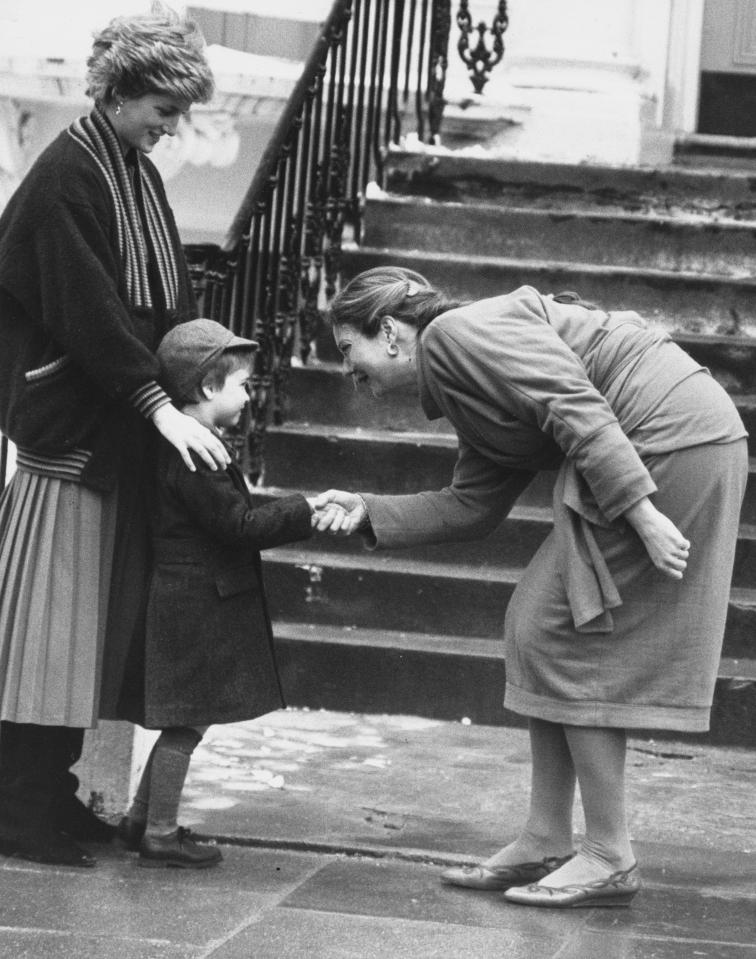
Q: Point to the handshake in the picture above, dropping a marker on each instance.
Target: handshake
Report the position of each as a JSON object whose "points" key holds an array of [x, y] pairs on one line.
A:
{"points": [[338, 512]]}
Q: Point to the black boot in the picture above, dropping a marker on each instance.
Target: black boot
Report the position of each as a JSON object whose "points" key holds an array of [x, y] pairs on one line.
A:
{"points": [[29, 755], [69, 814]]}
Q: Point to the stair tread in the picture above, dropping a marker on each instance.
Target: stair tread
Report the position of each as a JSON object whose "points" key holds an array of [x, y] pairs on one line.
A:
{"points": [[746, 400], [410, 437], [394, 561], [520, 513], [737, 668], [662, 177], [675, 184], [670, 217], [531, 513], [442, 644], [390, 639], [745, 281]]}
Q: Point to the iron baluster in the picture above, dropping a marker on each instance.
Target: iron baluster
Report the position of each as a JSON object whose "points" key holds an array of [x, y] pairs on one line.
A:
{"points": [[438, 61], [423, 79], [375, 132], [360, 126], [393, 127]]}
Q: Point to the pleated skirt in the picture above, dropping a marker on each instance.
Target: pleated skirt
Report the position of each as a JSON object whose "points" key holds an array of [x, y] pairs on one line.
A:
{"points": [[56, 554], [658, 666]]}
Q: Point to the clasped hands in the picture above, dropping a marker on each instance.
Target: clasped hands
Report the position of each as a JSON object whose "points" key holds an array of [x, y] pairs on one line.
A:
{"points": [[337, 512]]}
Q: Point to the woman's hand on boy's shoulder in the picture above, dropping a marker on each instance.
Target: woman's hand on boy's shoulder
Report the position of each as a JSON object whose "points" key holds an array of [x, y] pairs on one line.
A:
{"points": [[189, 436]]}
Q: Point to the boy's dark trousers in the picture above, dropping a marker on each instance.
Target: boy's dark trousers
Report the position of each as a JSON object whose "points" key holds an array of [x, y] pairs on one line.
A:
{"points": [[38, 799]]}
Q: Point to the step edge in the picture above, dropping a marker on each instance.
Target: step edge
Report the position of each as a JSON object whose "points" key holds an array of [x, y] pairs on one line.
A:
{"points": [[682, 220], [442, 645], [326, 431], [446, 645], [377, 561], [382, 561], [670, 171], [538, 515], [690, 277]]}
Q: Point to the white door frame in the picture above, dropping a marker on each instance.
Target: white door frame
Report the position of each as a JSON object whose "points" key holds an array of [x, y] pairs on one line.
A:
{"points": [[683, 77]]}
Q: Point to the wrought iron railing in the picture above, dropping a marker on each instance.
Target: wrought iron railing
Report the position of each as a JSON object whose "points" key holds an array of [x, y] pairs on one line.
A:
{"points": [[4, 459], [377, 68]]}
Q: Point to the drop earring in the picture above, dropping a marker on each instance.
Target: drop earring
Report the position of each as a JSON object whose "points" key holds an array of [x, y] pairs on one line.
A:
{"points": [[392, 349], [118, 108]]}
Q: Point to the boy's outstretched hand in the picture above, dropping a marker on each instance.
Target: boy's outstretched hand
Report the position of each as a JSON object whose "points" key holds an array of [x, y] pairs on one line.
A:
{"points": [[337, 512]]}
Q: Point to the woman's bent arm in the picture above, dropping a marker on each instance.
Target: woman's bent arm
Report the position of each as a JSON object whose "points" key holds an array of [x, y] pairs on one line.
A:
{"points": [[664, 542]]}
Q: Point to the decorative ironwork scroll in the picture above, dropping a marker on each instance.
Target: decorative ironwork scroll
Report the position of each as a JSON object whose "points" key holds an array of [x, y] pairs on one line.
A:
{"points": [[480, 60]]}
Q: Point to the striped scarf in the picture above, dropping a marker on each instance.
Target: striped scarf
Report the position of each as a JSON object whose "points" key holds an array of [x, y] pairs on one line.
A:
{"points": [[98, 138]]}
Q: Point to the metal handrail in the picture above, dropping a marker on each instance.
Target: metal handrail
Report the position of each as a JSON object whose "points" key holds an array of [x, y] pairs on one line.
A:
{"points": [[281, 259]]}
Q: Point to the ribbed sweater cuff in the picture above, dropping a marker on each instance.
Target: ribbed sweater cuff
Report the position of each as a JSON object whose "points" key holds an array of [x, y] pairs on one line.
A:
{"points": [[149, 398]]}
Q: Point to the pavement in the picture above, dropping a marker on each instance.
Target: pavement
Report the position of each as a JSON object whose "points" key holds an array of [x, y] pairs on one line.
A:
{"points": [[334, 828]]}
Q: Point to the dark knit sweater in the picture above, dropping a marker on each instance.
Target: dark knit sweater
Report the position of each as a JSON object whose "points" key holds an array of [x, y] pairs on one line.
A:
{"points": [[77, 366]]}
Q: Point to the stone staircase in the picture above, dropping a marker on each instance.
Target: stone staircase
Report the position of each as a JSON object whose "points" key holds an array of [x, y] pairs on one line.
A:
{"points": [[418, 631]]}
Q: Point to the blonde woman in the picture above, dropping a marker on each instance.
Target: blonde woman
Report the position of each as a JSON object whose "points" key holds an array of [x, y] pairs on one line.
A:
{"points": [[92, 275]]}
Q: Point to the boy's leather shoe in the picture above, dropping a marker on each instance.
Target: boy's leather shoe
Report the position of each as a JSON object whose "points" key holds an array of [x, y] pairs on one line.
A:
{"points": [[177, 850], [130, 833]]}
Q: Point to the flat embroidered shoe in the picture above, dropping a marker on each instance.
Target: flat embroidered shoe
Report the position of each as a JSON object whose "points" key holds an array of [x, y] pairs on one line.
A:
{"points": [[177, 850], [502, 877], [616, 890]]}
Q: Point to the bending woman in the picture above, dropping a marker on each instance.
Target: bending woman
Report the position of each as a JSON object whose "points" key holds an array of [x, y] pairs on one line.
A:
{"points": [[618, 621], [92, 274]]}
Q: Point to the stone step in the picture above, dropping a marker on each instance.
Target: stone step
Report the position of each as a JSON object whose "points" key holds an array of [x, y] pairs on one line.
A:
{"points": [[510, 545], [389, 590], [448, 677], [713, 152], [320, 394], [691, 243], [317, 458], [671, 189], [685, 302]]}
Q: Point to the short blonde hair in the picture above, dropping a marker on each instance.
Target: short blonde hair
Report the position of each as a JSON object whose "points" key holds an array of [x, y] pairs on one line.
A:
{"points": [[157, 52]]}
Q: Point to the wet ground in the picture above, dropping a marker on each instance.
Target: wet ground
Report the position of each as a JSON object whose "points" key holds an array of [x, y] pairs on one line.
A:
{"points": [[334, 829]]}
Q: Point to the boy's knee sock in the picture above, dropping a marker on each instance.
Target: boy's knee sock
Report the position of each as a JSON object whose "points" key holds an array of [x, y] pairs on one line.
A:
{"points": [[169, 766]]}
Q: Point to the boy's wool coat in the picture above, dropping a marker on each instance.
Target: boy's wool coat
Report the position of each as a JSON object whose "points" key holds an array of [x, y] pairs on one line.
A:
{"points": [[209, 649]]}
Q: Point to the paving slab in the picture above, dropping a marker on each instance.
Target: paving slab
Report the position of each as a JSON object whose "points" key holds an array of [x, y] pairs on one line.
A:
{"points": [[303, 933], [450, 790], [334, 828]]}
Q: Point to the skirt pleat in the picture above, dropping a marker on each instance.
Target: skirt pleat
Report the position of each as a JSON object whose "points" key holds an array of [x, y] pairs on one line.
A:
{"points": [[56, 549]]}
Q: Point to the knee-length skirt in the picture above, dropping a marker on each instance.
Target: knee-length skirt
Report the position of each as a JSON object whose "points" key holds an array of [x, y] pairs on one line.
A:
{"points": [[658, 666], [73, 570], [56, 547]]}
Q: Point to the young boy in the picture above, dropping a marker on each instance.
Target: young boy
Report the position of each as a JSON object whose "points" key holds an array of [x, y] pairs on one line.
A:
{"points": [[209, 647]]}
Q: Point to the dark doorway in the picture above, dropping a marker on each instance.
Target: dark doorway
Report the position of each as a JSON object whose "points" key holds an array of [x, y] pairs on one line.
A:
{"points": [[727, 105]]}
